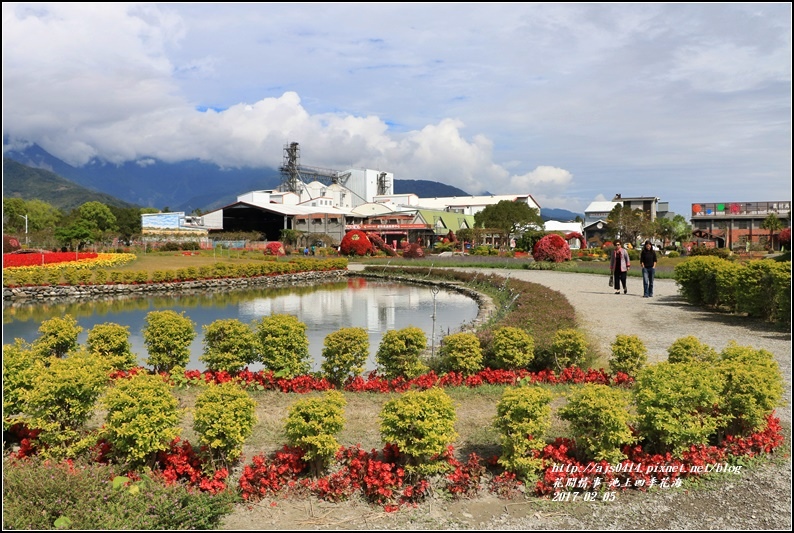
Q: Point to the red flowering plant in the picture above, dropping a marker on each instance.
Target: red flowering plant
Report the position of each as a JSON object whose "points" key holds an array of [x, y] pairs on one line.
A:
{"points": [[576, 235], [785, 236], [274, 248], [355, 242], [552, 247]]}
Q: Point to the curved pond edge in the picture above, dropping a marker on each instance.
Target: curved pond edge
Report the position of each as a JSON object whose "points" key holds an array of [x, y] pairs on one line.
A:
{"points": [[69, 293]]}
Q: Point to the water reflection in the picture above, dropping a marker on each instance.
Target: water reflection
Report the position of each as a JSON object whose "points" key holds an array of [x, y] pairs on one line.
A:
{"points": [[375, 305]]}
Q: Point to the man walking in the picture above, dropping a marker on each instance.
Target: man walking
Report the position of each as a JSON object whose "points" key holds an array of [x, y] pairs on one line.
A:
{"points": [[648, 262]]}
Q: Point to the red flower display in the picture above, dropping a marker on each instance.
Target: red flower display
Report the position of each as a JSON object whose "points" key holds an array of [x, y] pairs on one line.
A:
{"points": [[552, 247]]}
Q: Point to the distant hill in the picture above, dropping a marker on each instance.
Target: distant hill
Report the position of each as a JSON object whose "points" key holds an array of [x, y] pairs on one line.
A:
{"points": [[427, 189], [560, 215], [21, 181]]}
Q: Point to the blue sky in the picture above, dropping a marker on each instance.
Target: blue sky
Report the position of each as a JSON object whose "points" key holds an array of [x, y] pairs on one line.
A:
{"points": [[568, 102]]}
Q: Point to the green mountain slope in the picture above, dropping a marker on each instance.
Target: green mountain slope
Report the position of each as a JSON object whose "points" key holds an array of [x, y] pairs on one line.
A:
{"points": [[21, 181]]}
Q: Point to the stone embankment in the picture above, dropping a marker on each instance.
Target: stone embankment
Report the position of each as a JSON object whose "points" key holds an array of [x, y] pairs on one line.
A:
{"points": [[71, 292]]}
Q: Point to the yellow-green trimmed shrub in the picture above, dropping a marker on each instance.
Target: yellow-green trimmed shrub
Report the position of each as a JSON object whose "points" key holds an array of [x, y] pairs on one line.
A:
{"points": [[629, 355], [142, 418], [523, 418], [569, 348], [689, 349], [512, 348], [753, 387], [224, 417], [696, 279], [100, 276], [763, 286], [21, 365], [461, 352], [345, 354], [167, 335], [283, 345], [57, 336], [229, 345], [678, 404], [111, 341], [312, 425], [422, 425], [398, 353], [62, 399], [599, 418]]}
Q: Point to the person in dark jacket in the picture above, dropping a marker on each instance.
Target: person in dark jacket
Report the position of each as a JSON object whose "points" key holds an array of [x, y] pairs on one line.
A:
{"points": [[620, 265], [648, 261]]}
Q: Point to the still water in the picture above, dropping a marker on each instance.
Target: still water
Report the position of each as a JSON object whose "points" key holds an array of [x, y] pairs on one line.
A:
{"points": [[375, 305]]}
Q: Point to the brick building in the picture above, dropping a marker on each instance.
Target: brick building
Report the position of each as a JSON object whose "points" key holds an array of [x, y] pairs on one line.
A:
{"points": [[734, 224]]}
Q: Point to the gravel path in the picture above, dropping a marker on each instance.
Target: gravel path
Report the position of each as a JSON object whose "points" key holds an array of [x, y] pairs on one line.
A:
{"points": [[757, 498]]}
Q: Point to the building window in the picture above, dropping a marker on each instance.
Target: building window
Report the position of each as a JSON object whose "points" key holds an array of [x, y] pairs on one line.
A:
{"points": [[741, 224]]}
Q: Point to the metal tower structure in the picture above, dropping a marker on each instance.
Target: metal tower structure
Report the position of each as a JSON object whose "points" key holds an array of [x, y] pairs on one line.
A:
{"points": [[294, 175], [382, 183]]}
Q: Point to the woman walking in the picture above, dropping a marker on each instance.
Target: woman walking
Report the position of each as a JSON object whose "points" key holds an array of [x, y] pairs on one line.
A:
{"points": [[620, 265]]}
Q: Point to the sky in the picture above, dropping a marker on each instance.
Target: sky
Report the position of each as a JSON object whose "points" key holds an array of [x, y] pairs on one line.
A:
{"points": [[569, 102]]}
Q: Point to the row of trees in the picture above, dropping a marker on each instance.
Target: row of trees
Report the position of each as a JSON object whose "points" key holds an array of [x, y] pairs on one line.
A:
{"points": [[92, 222]]}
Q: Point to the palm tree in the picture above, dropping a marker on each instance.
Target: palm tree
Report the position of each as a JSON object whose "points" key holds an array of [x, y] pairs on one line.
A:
{"points": [[773, 224]]}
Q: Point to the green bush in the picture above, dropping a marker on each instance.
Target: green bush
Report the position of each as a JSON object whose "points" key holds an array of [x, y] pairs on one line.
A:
{"points": [[398, 353], [764, 290], [753, 387], [43, 495], [62, 399], [312, 425], [629, 355], [167, 335], [569, 348], [512, 348], [345, 354], [461, 352], [690, 349], [523, 418], [678, 404], [142, 418], [111, 341], [283, 345], [224, 417], [599, 418], [422, 425], [21, 365], [229, 345], [696, 279], [57, 336]]}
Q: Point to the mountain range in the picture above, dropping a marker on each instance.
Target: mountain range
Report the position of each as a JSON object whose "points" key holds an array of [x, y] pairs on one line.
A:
{"points": [[184, 186]]}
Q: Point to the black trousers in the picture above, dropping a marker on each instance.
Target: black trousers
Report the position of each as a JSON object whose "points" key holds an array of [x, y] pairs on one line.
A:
{"points": [[620, 277]]}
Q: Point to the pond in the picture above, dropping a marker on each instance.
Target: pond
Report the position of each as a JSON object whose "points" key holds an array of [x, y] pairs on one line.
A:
{"points": [[375, 305]]}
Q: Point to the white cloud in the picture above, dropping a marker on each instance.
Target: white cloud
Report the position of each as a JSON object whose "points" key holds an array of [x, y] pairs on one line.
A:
{"points": [[567, 101]]}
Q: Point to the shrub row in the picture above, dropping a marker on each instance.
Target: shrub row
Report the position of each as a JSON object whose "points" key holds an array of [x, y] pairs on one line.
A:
{"points": [[760, 288]]}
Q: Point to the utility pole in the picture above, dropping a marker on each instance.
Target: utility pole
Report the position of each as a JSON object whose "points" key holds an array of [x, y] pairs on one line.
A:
{"points": [[26, 227]]}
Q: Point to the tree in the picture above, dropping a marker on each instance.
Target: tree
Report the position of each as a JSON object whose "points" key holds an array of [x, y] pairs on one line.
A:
{"points": [[100, 219], [773, 224], [74, 235], [40, 215], [128, 222], [626, 224], [509, 217], [682, 230]]}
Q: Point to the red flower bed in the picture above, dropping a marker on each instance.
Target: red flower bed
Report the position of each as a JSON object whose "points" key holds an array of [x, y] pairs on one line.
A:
{"points": [[45, 258]]}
